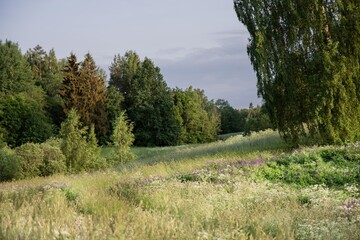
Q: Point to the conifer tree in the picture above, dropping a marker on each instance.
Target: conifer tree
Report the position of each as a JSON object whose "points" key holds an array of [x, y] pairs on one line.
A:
{"points": [[79, 145], [36, 57], [122, 138], [84, 89], [71, 84]]}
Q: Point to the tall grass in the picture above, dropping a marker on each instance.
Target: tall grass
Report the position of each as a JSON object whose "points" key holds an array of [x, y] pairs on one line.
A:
{"points": [[158, 197], [234, 147]]}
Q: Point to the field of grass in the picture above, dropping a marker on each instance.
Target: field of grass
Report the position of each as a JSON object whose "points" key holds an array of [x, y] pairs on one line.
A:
{"points": [[239, 188]]}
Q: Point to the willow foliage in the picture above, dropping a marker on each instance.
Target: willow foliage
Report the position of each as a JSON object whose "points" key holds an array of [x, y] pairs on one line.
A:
{"points": [[306, 57]]}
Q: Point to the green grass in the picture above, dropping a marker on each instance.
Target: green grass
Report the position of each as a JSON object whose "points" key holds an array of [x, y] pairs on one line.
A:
{"points": [[230, 189]]}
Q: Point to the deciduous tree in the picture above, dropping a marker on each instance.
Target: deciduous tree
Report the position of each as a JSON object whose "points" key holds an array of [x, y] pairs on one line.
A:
{"points": [[147, 100], [306, 57], [199, 118]]}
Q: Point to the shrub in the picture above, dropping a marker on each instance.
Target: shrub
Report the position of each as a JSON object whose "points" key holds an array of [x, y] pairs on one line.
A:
{"points": [[31, 156], [79, 147], [10, 166], [41, 159], [122, 138], [53, 160]]}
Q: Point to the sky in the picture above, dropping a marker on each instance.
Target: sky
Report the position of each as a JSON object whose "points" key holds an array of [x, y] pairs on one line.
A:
{"points": [[194, 42]]}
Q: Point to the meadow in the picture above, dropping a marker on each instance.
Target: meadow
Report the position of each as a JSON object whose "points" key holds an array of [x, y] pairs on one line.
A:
{"points": [[254, 187]]}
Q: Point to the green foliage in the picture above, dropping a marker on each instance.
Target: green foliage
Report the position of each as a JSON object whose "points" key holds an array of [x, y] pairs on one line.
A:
{"points": [[198, 117], [307, 66], [329, 166], [10, 165], [23, 120], [53, 159], [122, 139], [31, 156], [113, 107], [21, 101], [47, 74], [187, 192], [79, 147], [257, 120], [41, 159], [247, 120], [231, 119], [147, 100], [15, 73], [71, 195]]}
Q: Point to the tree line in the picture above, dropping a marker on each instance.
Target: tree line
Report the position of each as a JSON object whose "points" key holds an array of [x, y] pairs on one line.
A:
{"points": [[38, 91], [54, 114]]}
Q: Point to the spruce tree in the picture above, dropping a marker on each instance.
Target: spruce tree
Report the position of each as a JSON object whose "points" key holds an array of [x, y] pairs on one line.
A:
{"points": [[79, 145], [84, 90], [69, 91], [122, 139]]}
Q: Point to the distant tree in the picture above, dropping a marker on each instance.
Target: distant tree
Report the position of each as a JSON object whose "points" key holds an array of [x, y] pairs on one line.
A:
{"points": [[36, 57], [47, 73], [306, 57], [153, 108], [113, 107], [147, 100], [123, 75], [257, 119], [52, 83], [94, 96], [230, 117], [22, 103], [15, 73], [199, 118], [71, 84], [84, 89]]}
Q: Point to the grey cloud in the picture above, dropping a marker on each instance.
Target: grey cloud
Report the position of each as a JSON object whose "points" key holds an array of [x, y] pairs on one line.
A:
{"points": [[235, 32], [223, 72], [171, 50]]}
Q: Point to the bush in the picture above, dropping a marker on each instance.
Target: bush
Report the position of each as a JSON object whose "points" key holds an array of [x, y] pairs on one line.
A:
{"points": [[10, 166], [41, 159], [122, 138], [31, 156], [79, 147], [53, 160]]}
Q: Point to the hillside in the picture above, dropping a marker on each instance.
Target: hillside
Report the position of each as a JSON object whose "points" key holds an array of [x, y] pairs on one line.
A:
{"points": [[240, 188]]}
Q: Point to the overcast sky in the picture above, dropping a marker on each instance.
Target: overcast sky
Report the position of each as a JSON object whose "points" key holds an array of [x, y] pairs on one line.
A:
{"points": [[194, 42]]}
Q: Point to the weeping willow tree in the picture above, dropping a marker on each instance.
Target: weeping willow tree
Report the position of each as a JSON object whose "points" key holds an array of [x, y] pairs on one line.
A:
{"points": [[306, 57]]}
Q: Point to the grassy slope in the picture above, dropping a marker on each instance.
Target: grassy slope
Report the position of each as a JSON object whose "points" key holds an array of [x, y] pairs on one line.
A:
{"points": [[157, 197]]}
